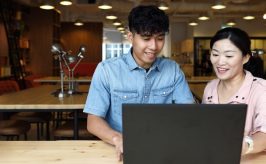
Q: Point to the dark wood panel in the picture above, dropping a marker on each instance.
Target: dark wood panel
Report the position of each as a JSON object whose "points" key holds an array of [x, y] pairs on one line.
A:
{"points": [[40, 24], [89, 35]]}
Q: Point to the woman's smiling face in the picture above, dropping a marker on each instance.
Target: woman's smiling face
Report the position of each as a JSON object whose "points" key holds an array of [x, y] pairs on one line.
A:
{"points": [[227, 59]]}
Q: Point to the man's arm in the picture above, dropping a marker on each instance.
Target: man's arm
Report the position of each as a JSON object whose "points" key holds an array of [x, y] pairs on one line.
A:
{"points": [[99, 127]]}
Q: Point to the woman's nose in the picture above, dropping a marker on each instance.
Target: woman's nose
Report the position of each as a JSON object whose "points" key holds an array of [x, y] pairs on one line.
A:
{"points": [[221, 60]]}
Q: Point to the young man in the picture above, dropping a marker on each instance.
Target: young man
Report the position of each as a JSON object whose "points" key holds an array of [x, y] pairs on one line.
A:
{"points": [[137, 77]]}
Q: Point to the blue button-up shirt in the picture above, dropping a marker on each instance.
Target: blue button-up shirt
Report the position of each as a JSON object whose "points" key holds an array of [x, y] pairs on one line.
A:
{"points": [[120, 80]]}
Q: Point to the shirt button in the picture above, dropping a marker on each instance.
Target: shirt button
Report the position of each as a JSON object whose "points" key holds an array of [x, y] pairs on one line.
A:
{"points": [[125, 97], [164, 93], [145, 96]]}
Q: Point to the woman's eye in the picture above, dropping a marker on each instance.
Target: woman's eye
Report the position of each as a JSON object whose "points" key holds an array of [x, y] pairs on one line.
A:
{"points": [[228, 56], [215, 55]]}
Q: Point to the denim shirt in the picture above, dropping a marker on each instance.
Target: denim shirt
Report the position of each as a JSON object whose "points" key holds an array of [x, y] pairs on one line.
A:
{"points": [[120, 80]]}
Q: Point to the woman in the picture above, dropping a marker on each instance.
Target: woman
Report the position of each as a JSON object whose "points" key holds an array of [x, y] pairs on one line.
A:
{"points": [[230, 51]]}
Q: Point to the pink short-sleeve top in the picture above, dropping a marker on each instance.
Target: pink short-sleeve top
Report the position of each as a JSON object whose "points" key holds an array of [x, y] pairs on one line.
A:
{"points": [[253, 93]]}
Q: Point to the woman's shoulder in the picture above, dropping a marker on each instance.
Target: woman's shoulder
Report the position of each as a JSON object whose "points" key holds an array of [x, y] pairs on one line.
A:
{"points": [[259, 85]]}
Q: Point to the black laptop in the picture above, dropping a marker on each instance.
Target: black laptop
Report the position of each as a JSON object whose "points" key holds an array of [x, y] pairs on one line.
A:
{"points": [[183, 133]]}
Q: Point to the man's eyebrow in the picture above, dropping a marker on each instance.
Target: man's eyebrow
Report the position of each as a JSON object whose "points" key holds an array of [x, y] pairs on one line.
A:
{"points": [[162, 34], [148, 34], [145, 34]]}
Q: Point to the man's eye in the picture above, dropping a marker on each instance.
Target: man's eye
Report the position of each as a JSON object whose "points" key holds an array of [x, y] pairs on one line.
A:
{"points": [[215, 55], [229, 56]]}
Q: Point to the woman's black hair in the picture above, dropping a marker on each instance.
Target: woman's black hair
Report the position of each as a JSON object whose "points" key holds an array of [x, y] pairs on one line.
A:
{"points": [[242, 41], [237, 36], [148, 20]]}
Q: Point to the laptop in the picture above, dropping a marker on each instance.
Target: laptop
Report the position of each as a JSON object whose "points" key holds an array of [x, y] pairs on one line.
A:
{"points": [[183, 133]]}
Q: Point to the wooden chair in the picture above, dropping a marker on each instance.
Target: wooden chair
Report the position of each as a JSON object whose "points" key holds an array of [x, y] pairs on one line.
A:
{"points": [[38, 118], [65, 130], [7, 86], [12, 128]]}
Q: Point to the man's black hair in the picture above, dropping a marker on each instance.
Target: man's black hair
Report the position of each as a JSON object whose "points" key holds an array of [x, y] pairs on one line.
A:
{"points": [[148, 20]]}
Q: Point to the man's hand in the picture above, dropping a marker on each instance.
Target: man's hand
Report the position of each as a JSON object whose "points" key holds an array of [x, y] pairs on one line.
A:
{"points": [[118, 142]]}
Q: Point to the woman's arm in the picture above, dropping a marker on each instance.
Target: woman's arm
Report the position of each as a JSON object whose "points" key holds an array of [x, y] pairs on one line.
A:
{"points": [[259, 144]]}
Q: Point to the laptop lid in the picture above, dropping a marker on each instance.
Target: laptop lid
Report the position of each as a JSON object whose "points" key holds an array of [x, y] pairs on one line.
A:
{"points": [[183, 133]]}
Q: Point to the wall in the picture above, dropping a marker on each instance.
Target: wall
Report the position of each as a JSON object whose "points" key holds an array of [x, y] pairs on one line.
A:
{"points": [[3, 40], [40, 35], [255, 28], [181, 30], [90, 35]]}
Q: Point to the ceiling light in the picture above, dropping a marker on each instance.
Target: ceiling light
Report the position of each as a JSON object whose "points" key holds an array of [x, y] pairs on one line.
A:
{"points": [[120, 28], [117, 23], [112, 17], [203, 17], [264, 16], [66, 2], [218, 5], [47, 5], [248, 17], [78, 22], [231, 23], [104, 6], [193, 23], [163, 6]]}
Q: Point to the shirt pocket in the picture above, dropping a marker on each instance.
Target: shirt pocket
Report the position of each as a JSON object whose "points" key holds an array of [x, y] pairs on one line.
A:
{"points": [[124, 97], [163, 95]]}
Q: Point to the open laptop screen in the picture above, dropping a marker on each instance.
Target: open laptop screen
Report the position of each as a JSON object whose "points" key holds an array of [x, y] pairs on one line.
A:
{"points": [[183, 133]]}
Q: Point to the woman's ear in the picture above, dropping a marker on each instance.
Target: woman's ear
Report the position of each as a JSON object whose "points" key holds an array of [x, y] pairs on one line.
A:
{"points": [[246, 59]]}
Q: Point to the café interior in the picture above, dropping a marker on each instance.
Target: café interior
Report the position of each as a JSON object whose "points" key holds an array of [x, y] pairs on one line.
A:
{"points": [[49, 50]]}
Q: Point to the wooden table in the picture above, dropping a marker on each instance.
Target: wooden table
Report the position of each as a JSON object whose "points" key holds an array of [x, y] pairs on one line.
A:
{"points": [[72, 152], [56, 79], [41, 99], [197, 84]]}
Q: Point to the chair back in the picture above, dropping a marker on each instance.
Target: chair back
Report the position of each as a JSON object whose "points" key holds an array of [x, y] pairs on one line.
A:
{"points": [[7, 86]]}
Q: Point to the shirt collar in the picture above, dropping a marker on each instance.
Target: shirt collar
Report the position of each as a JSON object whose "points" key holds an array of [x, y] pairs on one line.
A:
{"points": [[241, 95], [133, 65]]}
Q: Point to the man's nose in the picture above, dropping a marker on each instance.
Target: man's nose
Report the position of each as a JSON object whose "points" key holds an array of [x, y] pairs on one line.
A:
{"points": [[153, 44]]}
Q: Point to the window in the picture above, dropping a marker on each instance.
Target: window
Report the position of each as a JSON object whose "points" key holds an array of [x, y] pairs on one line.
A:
{"points": [[111, 50]]}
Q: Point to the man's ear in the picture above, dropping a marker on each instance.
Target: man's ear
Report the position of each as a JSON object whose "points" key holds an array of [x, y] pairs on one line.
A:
{"points": [[246, 59], [130, 36]]}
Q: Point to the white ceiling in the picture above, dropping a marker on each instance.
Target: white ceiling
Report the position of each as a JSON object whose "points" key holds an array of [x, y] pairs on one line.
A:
{"points": [[180, 10]]}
